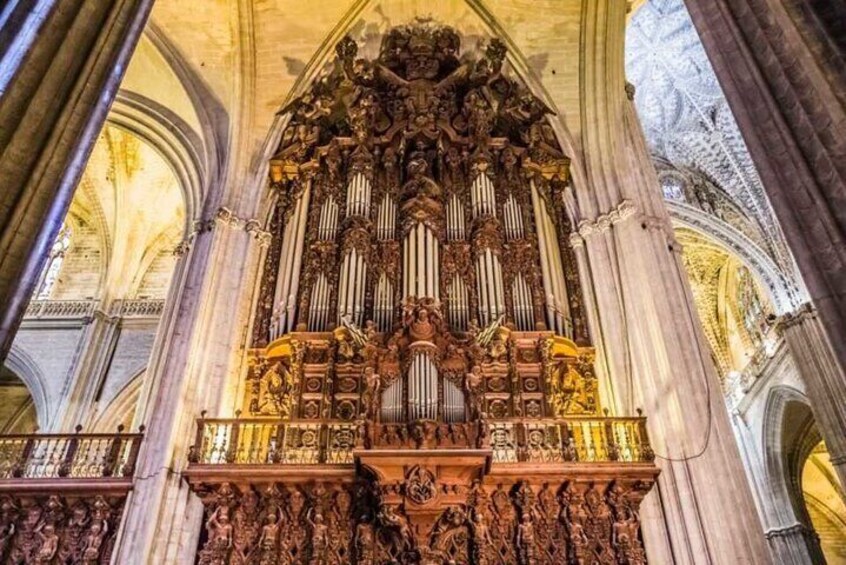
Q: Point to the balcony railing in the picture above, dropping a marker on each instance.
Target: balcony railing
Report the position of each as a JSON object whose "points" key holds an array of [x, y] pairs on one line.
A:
{"points": [[138, 308], [69, 456], [260, 442], [256, 441], [65, 309]]}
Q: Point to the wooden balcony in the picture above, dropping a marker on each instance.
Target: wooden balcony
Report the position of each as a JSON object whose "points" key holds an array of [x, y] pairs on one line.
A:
{"points": [[62, 495], [263, 441], [403, 483]]}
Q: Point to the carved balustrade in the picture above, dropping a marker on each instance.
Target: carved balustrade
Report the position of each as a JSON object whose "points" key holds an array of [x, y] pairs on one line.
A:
{"points": [[259, 441], [138, 308], [64, 309], [62, 495], [263, 441]]}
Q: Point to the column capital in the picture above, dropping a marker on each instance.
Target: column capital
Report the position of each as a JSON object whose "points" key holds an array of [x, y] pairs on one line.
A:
{"points": [[804, 312], [603, 222]]}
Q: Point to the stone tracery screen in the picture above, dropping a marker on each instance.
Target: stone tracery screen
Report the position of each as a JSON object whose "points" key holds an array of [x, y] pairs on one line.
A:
{"points": [[422, 173]]}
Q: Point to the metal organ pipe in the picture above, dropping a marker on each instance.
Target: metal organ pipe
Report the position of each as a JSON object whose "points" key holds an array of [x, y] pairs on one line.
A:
{"points": [[453, 402], [522, 298], [482, 196], [458, 316], [557, 304], [288, 275], [391, 410], [383, 303], [455, 219], [387, 219], [489, 287], [513, 219], [351, 287], [319, 311], [358, 195], [420, 261], [422, 387]]}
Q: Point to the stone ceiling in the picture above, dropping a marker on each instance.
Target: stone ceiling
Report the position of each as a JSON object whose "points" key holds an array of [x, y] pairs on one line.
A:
{"points": [[130, 196], [714, 279], [686, 119]]}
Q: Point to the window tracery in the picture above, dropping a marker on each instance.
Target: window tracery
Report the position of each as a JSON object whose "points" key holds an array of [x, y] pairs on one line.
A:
{"points": [[50, 273]]}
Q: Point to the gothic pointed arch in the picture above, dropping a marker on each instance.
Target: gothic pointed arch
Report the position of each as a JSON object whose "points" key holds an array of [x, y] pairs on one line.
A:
{"points": [[25, 368], [121, 408]]}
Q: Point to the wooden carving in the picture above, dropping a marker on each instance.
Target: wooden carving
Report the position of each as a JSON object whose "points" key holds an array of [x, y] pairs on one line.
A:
{"points": [[58, 529]]}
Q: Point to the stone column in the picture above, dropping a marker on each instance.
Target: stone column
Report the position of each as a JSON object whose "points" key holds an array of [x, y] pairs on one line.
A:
{"points": [[701, 510], [809, 345], [786, 91], [197, 370], [62, 62], [795, 544], [98, 346]]}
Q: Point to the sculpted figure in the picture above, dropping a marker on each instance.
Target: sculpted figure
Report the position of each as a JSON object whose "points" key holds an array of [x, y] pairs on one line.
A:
{"points": [[280, 384], [270, 531], [481, 538], [526, 540], [370, 397], [220, 529], [94, 541], [319, 538], [421, 327], [49, 544], [389, 518], [364, 541]]}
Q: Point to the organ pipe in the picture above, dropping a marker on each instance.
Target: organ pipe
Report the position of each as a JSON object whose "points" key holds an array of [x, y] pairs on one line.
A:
{"points": [[288, 275], [482, 196], [557, 304], [455, 219], [383, 303], [489, 287], [421, 264], [387, 219], [521, 297], [351, 287], [454, 408], [422, 387], [458, 304], [358, 195], [319, 308], [513, 219], [392, 400]]}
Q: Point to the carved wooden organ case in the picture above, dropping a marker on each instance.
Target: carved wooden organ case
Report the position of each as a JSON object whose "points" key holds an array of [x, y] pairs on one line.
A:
{"points": [[420, 293], [421, 182]]}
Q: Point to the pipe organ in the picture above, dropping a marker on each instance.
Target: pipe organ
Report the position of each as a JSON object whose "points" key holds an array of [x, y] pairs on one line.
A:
{"points": [[452, 194], [419, 293]]}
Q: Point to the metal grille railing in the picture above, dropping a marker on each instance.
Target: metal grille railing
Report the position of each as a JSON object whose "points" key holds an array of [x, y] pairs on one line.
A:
{"points": [[53, 456]]}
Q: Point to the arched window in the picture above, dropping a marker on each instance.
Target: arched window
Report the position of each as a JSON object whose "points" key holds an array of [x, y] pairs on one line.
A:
{"points": [[50, 274], [673, 188]]}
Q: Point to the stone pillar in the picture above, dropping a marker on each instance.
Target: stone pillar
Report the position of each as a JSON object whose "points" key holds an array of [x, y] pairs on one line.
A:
{"points": [[211, 297], [702, 510], [795, 544], [824, 378], [98, 346], [786, 91], [62, 62]]}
